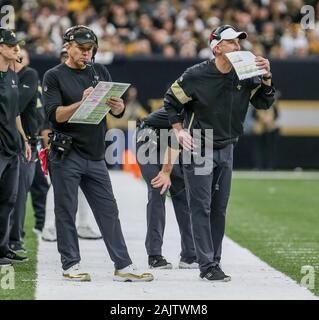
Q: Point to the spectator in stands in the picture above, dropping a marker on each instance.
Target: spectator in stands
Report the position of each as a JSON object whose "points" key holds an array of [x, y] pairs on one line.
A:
{"points": [[120, 24], [294, 40]]}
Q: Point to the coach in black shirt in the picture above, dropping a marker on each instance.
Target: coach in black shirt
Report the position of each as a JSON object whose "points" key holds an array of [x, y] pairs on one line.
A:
{"points": [[10, 143], [64, 88], [213, 98], [30, 119]]}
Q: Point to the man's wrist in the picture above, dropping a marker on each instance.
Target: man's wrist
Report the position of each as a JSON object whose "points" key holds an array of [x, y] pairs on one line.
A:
{"points": [[117, 113], [267, 76]]}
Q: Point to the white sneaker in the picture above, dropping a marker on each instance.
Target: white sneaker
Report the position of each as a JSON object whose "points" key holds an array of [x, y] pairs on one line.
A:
{"points": [[75, 274], [185, 265], [86, 232], [130, 274], [49, 234]]}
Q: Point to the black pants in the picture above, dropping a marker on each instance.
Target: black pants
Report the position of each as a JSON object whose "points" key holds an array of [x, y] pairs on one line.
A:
{"points": [[9, 176], [67, 175], [156, 212], [26, 175], [39, 190], [208, 198]]}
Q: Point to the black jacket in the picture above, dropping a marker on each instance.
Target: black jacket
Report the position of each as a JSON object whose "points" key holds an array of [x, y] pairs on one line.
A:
{"points": [[219, 101]]}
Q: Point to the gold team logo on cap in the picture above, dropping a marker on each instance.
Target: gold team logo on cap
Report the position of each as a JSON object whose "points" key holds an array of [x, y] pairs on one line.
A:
{"points": [[13, 34]]}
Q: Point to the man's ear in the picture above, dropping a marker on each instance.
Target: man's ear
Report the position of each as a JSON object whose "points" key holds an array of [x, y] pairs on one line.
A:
{"points": [[217, 50]]}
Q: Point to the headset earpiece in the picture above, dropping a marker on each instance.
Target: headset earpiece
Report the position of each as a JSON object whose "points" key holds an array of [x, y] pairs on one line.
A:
{"points": [[216, 34]]}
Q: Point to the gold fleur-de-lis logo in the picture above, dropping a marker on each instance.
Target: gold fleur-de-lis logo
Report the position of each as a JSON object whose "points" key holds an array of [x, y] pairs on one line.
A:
{"points": [[13, 34]]}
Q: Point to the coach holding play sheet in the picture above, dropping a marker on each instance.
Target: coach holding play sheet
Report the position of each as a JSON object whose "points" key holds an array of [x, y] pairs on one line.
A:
{"points": [[77, 157], [212, 96]]}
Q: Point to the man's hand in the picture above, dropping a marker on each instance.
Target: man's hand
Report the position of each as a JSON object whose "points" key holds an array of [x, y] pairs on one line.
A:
{"points": [[185, 139], [87, 92], [45, 137], [162, 180], [116, 104], [263, 63], [27, 151]]}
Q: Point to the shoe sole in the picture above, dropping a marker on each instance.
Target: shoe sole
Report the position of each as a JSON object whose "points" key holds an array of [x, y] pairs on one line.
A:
{"points": [[129, 277], [121, 279], [167, 267], [86, 278], [227, 279], [5, 265], [187, 266], [17, 261], [20, 251]]}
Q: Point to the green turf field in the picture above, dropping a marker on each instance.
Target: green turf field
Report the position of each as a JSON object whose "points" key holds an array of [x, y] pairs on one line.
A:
{"points": [[25, 273], [278, 220]]}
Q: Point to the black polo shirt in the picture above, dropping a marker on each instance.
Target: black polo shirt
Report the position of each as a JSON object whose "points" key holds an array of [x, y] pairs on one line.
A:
{"points": [[219, 101], [9, 109], [63, 86]]}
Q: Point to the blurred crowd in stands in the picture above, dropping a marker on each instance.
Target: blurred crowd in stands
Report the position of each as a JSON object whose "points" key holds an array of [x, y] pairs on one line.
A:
{"points": [[170, 28]]}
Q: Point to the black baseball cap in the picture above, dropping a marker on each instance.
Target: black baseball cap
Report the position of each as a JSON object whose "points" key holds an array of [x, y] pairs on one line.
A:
{"points": [[83, 37], [9, 37]]}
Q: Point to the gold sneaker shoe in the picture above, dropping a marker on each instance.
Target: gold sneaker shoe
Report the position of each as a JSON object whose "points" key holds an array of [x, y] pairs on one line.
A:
{"points": [[129, 274], [75, 274]]}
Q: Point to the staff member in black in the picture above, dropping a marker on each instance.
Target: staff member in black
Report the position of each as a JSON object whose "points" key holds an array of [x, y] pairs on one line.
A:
{"points": [[29, 114], [64, 87], [10, 144], [40, 185], [213, 97], [160, 177]]}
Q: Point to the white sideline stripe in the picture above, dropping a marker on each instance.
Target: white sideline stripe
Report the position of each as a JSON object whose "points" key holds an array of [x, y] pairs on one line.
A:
{"points": [[276, 175], [251, 278]]}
